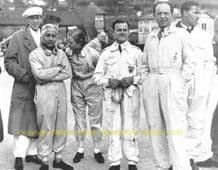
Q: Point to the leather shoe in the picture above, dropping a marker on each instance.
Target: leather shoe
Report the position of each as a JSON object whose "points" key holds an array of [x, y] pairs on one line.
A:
{"points": [[33, 158], [18, 164], [117, 167], [99, 157], [193, 165], [132, 167], [44, 167], [62, 165], [77, 158], [208, 163]]}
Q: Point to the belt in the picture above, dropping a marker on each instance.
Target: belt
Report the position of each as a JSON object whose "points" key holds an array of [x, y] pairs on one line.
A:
{"points": [[164, 70]]}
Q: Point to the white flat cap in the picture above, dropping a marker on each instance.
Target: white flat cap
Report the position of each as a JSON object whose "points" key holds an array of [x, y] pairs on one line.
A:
{"points": [[157, 1], [32, 11]]}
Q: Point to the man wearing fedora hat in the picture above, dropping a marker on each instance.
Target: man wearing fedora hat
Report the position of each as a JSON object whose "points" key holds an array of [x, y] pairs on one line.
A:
{"points": [[22, 117]]}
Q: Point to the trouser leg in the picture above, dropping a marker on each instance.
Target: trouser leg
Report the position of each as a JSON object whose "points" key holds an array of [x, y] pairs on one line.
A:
{"points": [[20, 146], [155, 122], [79, 111], [196, 123], [199, 116], [95, 111], [173, 96], [60, 136], [130, 109], [113, 109], [46, 106], [32, 148]]}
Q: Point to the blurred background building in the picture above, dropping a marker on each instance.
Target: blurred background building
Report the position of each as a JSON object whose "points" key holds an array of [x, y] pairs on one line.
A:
{"points": [[98, 15]]}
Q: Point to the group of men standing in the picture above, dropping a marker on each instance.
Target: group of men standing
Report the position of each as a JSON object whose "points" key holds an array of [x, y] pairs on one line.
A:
{"points": [[173, 76]]}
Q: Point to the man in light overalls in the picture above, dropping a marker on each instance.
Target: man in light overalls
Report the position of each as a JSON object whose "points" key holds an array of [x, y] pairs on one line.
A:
{"points": [[118, 70], [199, 118], [50, 67], [169, 56]]}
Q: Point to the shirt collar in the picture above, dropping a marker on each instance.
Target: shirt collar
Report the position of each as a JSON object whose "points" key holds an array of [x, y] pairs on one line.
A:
{"points": [[166, 31], [34, 32], [123, 45], [186, 27]]}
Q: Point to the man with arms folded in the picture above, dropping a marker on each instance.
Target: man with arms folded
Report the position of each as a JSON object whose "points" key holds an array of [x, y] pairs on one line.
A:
{"points": [[50, 67]]}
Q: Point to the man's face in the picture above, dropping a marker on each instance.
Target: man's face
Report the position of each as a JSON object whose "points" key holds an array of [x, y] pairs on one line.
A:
{"points": [[34, 22], [121, 32], [163, 15], [50, 37], [192, 16]]}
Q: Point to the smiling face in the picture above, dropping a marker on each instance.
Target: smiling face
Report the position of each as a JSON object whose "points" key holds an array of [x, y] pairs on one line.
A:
{"points": [[121, 32], [34, 22], [163, 15]]}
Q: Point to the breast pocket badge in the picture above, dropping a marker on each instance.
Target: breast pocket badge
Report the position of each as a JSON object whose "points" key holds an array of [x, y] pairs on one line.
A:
{"points": [[130, 69], [175, 58]]}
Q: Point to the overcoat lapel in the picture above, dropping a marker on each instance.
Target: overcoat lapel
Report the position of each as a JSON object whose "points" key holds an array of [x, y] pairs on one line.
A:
{"points": [[28, 40]]}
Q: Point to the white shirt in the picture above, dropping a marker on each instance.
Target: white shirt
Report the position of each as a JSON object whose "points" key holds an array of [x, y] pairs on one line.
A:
{"points": [[36, 36]]}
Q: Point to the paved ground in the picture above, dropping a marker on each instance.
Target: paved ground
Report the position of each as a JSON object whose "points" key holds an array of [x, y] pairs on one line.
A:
{"points": [[88, 163]]}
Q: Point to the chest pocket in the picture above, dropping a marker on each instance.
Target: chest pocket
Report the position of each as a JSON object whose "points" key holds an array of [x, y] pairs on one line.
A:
{"points": [[112, 66]]}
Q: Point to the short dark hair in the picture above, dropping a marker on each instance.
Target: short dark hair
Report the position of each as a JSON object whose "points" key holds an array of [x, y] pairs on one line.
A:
{"points": [[163, 2], [119, 21], [186, 6]]}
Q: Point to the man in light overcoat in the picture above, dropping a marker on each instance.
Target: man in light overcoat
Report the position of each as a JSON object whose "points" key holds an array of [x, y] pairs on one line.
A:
{"points": [[22, 115]]}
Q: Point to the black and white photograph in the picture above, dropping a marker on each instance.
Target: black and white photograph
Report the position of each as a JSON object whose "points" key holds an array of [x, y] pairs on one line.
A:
{"points": [[108, 84]]}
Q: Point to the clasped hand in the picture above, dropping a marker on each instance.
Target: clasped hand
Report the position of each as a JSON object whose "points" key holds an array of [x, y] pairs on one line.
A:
{"points": [[123, 83]]}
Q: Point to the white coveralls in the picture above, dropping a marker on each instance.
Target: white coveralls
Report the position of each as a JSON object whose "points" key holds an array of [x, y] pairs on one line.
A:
{"points": [[124, 113], [199, 86], [51, 101], [85, 92], [169, 63]]}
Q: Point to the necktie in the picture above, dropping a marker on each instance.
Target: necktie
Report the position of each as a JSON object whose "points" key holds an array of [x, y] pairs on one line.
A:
{"points": [[120, 49], [190, 29], [159, 34]]}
